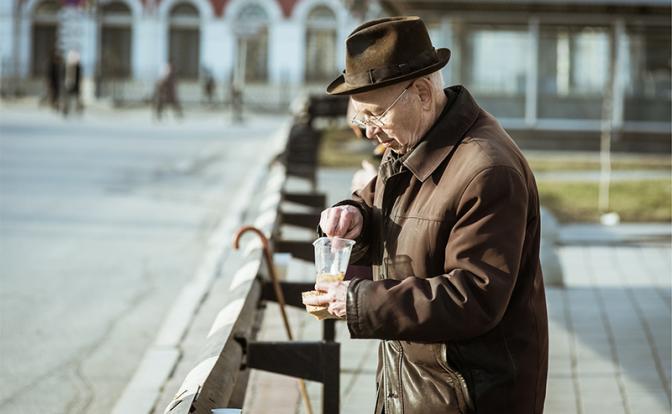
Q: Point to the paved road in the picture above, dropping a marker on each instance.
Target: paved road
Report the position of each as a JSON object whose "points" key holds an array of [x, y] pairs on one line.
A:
{"points": [[102, 221]]}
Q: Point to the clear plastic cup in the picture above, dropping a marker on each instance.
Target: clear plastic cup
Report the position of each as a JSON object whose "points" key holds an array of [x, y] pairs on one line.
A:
{"points": [[331, 258]]}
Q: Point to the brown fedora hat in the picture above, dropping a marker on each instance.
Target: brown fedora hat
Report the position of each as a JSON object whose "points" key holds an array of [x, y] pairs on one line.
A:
{"points": [[387, 51]]}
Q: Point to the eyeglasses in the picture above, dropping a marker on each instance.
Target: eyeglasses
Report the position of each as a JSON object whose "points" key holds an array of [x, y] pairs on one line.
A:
{"points": [[375, 121]]}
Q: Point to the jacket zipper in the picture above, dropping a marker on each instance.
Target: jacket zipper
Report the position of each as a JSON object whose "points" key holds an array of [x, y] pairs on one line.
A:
{"points": [[400, 392], [386, 388], [464, 399], [465, 390]]}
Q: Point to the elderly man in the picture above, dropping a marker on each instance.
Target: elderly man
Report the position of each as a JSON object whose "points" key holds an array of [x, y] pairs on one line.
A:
{"points": [[451, 227]]}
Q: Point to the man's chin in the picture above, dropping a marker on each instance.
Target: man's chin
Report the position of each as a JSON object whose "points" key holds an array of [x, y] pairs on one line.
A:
{"points": [[393, 145], [398, 149]]}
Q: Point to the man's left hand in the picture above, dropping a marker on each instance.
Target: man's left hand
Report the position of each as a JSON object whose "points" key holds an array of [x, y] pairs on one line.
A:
{"points": [[333, 296]]}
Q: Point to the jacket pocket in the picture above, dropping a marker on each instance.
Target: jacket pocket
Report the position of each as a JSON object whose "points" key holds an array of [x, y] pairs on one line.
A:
{"points": [[426, 385], [459, 384]]}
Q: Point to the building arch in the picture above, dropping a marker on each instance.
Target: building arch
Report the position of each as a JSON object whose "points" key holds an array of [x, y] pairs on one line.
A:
{"points": [[205, 9], [251, 30], [116, 33], [30, 6], [304, 7], [135, 6], [301, 17], [185, 34], [321, 37], [271, 8], [41, 17], [172, 25]]}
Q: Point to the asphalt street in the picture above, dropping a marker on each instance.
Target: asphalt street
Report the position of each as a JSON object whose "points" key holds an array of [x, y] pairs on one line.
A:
{"points": [[103, 220]]}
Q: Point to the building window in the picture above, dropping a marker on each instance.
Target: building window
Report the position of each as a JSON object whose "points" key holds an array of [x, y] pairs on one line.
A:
{"points": [[115, 41], [44, 36], [648, 90], [184, 41], [252, 32], [495, 67], [573, 71], [321, 35]]}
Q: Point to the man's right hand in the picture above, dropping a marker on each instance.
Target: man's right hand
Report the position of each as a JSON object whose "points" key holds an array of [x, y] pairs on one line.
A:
{"points": [[342, 221]]}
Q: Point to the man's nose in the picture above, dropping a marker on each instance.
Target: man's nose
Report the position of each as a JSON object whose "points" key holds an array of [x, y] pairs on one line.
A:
{"points": [[372, 131]]}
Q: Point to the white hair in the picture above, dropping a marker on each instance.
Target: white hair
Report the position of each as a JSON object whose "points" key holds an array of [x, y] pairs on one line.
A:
{"points": [[437, 80]]}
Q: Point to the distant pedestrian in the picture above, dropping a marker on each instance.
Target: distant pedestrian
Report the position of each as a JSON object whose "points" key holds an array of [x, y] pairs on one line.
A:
{"points": [[53, 80], [166, 91], [236, 102], [208, 86], [72, 83]]}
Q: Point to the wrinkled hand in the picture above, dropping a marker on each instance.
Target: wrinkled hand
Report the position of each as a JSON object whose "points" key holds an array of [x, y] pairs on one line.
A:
{"points": [[334, 296], [342, 221]]}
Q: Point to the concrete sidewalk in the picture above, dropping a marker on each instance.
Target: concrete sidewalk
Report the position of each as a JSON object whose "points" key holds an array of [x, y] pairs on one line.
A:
{"points": [[609, 327], [610, 330]]}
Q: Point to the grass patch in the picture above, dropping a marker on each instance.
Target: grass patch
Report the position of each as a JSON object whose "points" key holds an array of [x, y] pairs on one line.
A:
{"points": [[635, 163], [342, 149], [634, 201]]}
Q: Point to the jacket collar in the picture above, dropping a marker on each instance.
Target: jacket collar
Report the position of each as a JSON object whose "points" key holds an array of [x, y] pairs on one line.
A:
{"points": [[452, 124]]}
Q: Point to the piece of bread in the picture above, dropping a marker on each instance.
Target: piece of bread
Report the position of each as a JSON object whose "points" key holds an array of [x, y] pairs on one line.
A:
{"points": [[330, 277], [319, 312]]}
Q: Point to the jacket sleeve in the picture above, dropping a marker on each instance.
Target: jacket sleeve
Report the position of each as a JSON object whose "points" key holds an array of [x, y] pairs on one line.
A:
{"points": [[482, 258]]}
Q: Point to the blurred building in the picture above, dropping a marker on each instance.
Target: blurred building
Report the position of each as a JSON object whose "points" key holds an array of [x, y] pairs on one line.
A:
{"points": [[270, 46], [562, 69], [543, 67]]}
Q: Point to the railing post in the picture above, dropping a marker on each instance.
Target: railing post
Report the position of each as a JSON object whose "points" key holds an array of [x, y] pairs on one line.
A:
{"points": [[314, 361], [332, 367], [329, 330]]}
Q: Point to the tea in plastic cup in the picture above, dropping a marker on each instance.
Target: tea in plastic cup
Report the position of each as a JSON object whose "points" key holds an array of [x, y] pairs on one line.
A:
{"points": [[332, 256]]}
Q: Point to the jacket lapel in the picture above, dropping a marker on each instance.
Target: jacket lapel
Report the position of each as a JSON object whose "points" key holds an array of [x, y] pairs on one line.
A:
{"points": [[445, 134]]}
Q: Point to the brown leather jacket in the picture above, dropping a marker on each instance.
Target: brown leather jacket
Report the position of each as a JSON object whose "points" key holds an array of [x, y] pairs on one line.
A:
{"points": [[457, 296]]}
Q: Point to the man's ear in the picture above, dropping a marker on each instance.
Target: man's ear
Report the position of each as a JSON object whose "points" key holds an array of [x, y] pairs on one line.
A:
{"points": [[425, 92]]}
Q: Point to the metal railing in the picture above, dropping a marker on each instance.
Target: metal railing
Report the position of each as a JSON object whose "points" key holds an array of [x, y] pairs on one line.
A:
{"points": [[219, 378]]}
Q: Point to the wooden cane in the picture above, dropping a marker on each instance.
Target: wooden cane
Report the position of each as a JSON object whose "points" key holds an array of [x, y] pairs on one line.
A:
{"points": [[278, 294]]}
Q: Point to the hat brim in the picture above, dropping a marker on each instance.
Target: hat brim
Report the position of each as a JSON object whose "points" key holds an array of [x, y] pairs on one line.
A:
{"points": [[341, 87]]}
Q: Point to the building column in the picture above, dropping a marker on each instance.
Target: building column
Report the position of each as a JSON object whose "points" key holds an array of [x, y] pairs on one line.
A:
{"points": [[25, 42], [532, 80], [8, 22], [346, 27], [446, 40], [618, 91], [148, 49], [286, 52], [89, 55], [457, 58], [217, 51]]}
